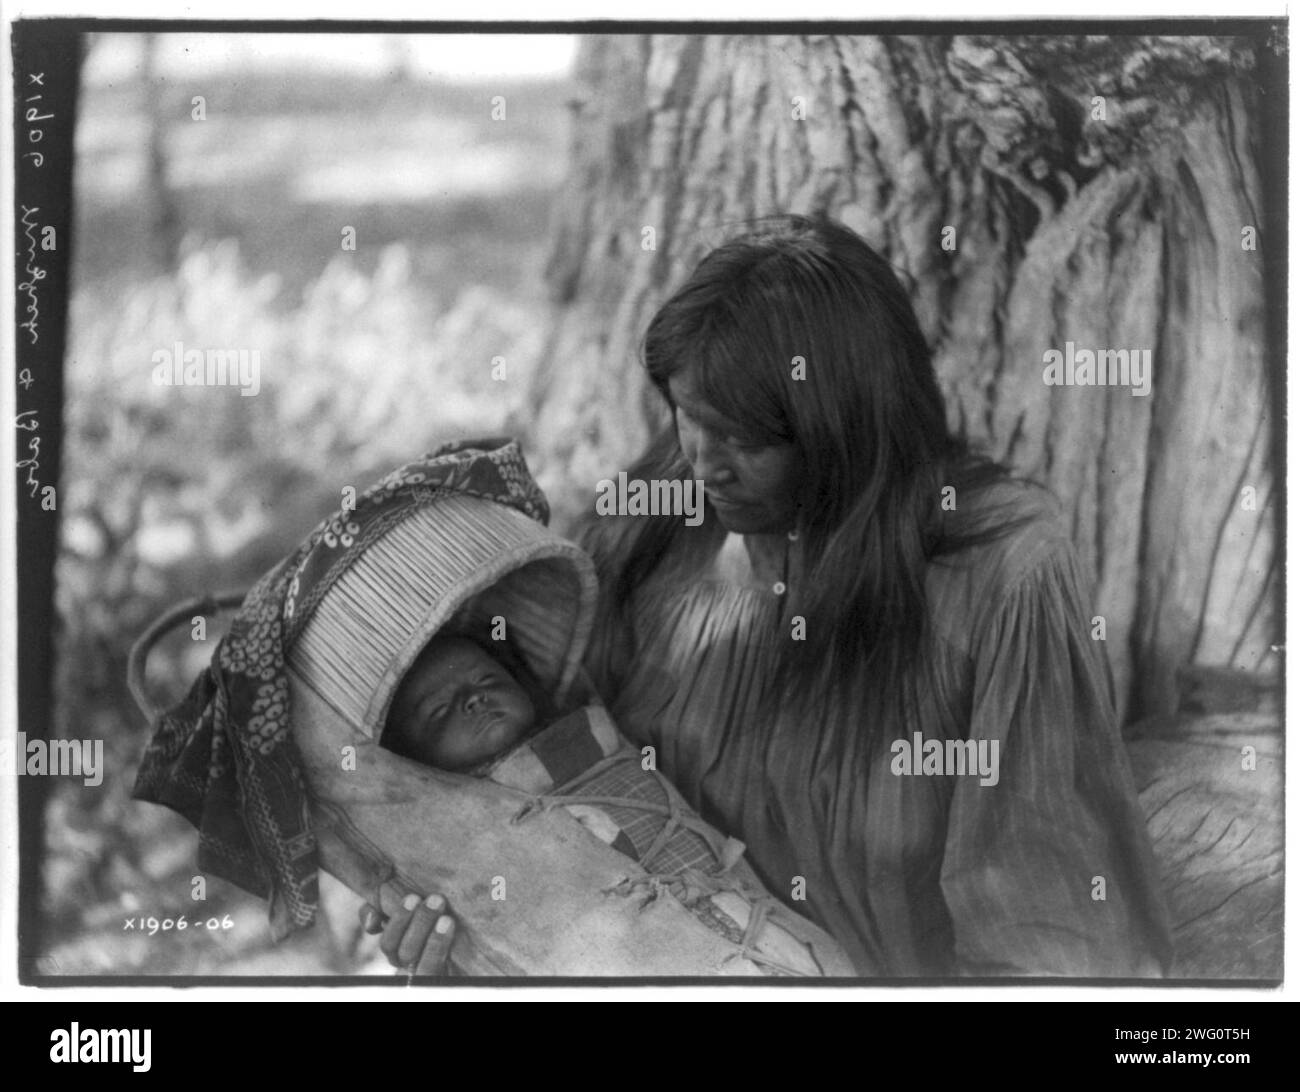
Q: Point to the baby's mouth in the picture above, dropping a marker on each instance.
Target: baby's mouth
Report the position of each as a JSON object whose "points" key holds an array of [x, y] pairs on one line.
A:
{"points": [[488, 720]]}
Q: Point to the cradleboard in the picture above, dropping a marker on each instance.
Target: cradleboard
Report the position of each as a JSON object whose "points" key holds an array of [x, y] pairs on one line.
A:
{"points": [[540, 895], [565, 859], [534, 891]]}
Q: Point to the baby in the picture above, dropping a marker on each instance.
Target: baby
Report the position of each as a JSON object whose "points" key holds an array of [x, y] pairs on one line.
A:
{"points": [[458, 708]]}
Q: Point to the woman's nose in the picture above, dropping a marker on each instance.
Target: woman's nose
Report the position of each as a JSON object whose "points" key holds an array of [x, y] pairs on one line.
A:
{"points": [[714, 466], [708, 459]]}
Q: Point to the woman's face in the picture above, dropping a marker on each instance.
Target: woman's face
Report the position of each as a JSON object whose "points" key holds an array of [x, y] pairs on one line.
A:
{"points": [[752, 487]]}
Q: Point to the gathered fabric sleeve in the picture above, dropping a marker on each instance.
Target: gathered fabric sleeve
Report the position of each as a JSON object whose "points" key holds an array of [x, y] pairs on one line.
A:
{"points": [[1050, 870]]}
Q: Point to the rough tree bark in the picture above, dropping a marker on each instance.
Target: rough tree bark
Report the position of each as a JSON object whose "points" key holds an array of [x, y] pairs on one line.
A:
{"points": [[157, 196], [1098, 188]]}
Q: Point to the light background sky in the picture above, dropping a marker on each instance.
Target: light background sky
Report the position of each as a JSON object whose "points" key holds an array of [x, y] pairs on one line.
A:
{"points": [[439, 56]]}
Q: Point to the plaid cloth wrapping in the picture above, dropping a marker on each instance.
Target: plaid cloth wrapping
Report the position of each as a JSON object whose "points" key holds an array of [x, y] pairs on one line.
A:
{"points": [[627, 780], [572, 745]]}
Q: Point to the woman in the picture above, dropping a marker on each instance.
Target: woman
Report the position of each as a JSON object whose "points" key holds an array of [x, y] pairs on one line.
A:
{"points": [[873, 661]]}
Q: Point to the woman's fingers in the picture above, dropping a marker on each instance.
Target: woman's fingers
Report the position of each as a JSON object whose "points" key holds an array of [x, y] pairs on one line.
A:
{"points": [[372, 919], [434, 959], [395, 927], [418, 933], [424, 915]]}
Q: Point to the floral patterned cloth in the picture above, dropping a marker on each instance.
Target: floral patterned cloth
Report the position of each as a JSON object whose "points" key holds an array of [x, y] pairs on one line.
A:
{"points": [[223, 758]]}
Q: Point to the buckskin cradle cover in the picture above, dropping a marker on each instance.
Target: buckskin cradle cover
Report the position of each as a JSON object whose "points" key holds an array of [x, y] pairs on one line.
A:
{"points": [[533, 897]]}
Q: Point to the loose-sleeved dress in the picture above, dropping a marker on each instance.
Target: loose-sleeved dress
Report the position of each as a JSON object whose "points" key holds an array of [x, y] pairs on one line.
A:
{"points": [[1048, 871]]}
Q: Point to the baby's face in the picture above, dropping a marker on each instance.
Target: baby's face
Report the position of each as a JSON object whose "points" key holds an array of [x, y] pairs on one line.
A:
{"points": [[456, 707]]}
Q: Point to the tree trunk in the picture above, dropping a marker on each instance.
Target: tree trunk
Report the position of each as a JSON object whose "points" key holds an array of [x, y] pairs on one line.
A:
{"points": [[158, 198], [1097, 191]]}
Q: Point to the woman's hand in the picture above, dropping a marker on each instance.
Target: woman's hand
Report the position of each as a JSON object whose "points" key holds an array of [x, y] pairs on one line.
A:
{"points": [[417, 936]]}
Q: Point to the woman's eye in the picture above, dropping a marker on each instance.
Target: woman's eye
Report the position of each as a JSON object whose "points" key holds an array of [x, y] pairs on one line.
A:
{"points": [[742, 443], [736, 443]]}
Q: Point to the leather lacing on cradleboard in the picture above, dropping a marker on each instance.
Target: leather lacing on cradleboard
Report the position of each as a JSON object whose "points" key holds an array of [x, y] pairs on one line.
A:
{"points": [[694, 888]]}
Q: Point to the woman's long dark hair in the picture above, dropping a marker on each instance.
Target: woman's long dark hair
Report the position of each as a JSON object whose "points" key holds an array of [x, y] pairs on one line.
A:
{"points": [[867, 422]]}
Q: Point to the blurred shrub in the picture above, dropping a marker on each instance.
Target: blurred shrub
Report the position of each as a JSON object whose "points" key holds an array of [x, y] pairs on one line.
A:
{"points": [[171, 492]]}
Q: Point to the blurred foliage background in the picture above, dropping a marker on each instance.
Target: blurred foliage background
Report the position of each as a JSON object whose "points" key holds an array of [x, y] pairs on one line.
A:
{"points": [[227, 233]]}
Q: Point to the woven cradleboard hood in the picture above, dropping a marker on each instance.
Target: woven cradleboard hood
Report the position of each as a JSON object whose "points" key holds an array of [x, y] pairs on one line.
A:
{"points": [[225, 757], [275, 754]]}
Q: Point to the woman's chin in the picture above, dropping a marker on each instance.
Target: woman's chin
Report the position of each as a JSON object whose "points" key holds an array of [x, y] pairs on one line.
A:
{"points": [[733, 517], [744, 520]]}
